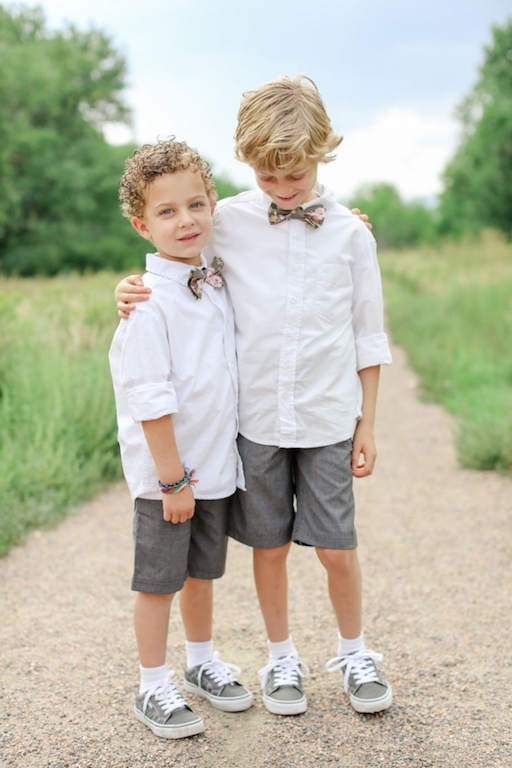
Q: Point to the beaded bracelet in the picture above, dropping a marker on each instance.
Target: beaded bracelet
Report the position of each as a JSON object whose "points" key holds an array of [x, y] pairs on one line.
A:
{"points": [[179, 485]]}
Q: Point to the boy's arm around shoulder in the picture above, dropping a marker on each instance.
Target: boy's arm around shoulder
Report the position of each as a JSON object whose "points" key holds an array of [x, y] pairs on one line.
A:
{"points": [[128, 292]]}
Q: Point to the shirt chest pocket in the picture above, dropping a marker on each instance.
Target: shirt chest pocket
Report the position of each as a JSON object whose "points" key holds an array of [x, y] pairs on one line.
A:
{"points": [[333, 292]]}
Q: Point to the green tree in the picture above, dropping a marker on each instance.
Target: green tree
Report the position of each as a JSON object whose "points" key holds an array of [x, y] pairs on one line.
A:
{"points": [[478, 180], [396, 224], [58, 176], [225, 187]]}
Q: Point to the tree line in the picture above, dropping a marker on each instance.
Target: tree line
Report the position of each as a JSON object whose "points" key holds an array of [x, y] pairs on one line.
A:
{"points": [[59, 176], [477, 182]]}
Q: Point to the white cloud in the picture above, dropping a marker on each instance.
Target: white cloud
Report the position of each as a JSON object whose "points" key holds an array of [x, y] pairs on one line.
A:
{"points": [[406, 147], [383, 75]]}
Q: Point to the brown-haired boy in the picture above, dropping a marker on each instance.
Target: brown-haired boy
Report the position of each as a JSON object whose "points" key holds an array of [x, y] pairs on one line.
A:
{"points": [[175, 381]]}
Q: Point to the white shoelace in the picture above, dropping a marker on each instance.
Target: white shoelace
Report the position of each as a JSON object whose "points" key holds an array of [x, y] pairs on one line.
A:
{"points": [[221, 672], [287, 671], [360, 664], [167, 694]]}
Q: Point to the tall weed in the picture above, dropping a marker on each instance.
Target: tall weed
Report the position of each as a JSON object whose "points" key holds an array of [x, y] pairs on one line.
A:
{"points": [[57, 416], [451, 309]]}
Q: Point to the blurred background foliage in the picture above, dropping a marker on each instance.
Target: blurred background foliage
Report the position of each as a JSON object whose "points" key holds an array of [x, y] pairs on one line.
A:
{"points": [[447, 276], [477, 191], [58, 176]]}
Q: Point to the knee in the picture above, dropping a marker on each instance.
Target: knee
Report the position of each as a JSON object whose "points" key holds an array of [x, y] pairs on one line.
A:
{"points": [[155, 599], [341, 561], [272, 556], [197, 587]]}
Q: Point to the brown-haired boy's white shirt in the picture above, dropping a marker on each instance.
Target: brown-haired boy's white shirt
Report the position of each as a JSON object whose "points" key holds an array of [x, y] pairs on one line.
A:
{"points": [[177, 356]]}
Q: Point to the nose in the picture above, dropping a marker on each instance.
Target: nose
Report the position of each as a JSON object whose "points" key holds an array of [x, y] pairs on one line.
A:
{"points": [[282, 189], [186, 218]]}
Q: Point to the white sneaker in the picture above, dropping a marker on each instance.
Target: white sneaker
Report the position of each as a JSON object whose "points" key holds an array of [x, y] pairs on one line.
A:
{"points": [[164, 710], [363, 681], [216, 681], [281, 681]]}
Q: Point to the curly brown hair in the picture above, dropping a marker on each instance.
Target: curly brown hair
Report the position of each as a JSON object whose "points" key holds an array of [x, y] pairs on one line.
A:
{"points": [[152, 160]]}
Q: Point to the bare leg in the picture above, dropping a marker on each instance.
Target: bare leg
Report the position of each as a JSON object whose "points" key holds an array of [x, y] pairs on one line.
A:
{"points": [[151, 620], [345, 588], [196, 605], [271, 580]]}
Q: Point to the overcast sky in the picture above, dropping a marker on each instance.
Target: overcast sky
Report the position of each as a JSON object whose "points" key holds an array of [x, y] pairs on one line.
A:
{"points": [[390, 71]]}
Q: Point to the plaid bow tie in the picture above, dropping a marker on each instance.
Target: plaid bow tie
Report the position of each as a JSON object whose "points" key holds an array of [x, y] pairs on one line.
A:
{"points": [[312, 216], [211, 275]]}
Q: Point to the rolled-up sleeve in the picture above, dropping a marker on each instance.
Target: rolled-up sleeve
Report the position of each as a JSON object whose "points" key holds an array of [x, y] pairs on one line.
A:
{"points": [[371, 341], [150, 402], [146, 368]]}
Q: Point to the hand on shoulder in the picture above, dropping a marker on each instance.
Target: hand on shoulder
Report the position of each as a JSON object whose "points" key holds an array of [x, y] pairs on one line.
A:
{"points": [[128, 292]]}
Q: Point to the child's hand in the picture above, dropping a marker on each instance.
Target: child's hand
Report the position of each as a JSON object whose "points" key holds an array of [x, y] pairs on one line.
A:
{"points": [[364, 451], [179, 507], [130, 290], [364, 218]]}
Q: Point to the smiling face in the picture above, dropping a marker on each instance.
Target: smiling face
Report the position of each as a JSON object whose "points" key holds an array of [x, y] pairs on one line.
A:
{"points": [[289, 188], [177, 217]]}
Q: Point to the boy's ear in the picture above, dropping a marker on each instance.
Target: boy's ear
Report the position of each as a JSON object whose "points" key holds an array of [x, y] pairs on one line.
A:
{"points": [[140, 227]]}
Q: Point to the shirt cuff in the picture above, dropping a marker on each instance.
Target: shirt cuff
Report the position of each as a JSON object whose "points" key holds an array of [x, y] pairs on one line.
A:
{"points": [[152, 401], [373, 350]]}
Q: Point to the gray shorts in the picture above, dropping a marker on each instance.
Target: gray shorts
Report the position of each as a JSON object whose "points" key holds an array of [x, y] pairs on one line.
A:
{"points": [[166, 553], [303, 495]]}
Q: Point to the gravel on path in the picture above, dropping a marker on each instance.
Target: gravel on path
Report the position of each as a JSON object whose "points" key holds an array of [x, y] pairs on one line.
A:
{"points": [[435, 546]]}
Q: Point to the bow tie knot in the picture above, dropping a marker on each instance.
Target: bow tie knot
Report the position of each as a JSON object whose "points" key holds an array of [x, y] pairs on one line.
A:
{"points": [[313, 216], [201, 275]]}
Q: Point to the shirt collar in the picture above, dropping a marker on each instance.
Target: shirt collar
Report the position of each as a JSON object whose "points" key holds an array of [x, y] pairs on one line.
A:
{"points": [[173, 270], [325, 197]]}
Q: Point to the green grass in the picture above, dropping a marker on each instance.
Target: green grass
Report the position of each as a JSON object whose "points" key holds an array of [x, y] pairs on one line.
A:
{"points": [[57, 417], [451, 309]]}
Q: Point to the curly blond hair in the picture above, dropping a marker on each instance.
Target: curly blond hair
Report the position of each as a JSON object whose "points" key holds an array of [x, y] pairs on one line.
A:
{"points": [[152, 160], [284, 124]]}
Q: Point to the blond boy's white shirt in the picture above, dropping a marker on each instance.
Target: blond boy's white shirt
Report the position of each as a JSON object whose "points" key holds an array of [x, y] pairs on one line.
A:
{"points": [[176, 355], [308, 316]]}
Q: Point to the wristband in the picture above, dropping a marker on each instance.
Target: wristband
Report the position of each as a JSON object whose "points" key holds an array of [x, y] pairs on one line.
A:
{"points": [[179, 485]]}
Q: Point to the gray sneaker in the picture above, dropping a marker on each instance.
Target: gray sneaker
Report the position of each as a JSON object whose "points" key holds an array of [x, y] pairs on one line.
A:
{"points": [[281, 681], [164, 710], [363, 680], [215, 680]]}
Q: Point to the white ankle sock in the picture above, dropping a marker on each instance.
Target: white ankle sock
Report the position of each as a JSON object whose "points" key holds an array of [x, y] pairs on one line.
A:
{"points": [[198, 653], [283, 648], [350, 646], [151, 675]]}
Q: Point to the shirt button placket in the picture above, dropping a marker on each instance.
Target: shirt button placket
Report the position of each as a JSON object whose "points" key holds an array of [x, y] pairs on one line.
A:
{"points": [[288, 362]]}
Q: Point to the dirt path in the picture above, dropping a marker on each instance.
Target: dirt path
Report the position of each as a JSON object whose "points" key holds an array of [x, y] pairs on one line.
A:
{"points": [[435, 543]]}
